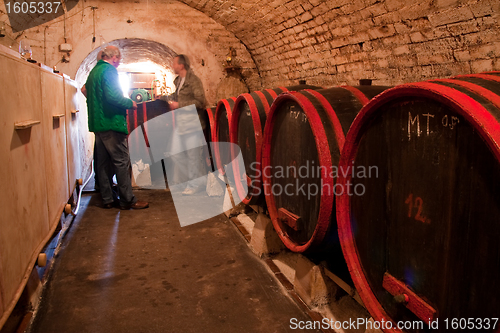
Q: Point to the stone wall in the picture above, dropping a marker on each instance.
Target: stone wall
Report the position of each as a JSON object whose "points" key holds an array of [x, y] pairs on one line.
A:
{"points": [[171, 23], [281, 41], [341, 41]]}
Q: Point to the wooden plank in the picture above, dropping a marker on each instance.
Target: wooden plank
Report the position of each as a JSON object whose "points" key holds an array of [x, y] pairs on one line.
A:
{"points": [[1, 292], [20, 125], [54, 129], [45, 67], [345, 286], [72, 133], [4, 50], [412, 301], [23, 197]]}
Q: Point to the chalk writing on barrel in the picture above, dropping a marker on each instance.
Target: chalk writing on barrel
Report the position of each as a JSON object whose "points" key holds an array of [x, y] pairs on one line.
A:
{"points": [[417, 203], [295, 114], [447, 121]]}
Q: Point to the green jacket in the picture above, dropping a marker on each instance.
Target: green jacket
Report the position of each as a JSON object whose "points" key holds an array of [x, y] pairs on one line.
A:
{"points": [[107, 108]]}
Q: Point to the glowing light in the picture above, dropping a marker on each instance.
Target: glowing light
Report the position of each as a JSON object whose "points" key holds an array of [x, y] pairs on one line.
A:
{"points": [[124, 79], [165, 78]]}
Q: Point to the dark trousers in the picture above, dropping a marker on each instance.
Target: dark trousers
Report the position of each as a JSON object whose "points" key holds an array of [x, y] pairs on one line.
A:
{"points": [[111, 151]]}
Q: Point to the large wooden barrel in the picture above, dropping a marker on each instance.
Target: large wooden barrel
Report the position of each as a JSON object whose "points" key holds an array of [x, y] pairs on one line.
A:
{"points": [[420, 227], [303, 137], [247, 125], [220, 131], [145, 111], [140, 117], [209, 120]]}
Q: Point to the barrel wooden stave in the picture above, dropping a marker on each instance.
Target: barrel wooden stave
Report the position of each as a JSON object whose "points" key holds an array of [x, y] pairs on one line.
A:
{"points": [[248, 132], [207, 132], [221, 131]]}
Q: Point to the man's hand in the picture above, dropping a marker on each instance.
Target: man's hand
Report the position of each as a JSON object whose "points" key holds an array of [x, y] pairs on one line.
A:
{"points": [[173, 105], [134, 107]]}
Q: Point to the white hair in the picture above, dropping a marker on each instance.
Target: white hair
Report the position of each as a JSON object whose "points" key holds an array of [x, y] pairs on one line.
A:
{"points": [[109, 52]]}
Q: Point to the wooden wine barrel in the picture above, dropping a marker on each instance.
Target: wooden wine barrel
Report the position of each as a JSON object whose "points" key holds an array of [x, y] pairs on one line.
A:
{"points": [[303, 137], [209, 121], [145, 111], [210, 114], [247, 124], [420, 233], [139, 117], [220, 130]]}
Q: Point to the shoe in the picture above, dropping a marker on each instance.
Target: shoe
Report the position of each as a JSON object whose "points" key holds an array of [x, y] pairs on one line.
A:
{"points": [[137, 205], [115, 203], [189, 191]]}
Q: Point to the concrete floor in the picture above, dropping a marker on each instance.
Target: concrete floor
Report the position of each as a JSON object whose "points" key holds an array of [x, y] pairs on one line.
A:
{"points": [[139, 271]]}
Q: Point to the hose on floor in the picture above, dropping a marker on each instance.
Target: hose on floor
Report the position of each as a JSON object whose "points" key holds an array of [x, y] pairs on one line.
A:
{"points": [[81, 190]]}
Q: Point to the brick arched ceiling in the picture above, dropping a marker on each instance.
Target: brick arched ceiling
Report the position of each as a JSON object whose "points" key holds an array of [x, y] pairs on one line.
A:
{"points": [[341, 41], [271, 29]]}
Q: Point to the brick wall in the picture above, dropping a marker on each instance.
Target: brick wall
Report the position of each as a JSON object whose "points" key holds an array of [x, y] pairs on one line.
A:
{"points": [[342, 41]]}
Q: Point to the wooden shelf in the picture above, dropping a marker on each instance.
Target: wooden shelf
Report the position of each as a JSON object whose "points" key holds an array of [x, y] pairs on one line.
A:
{"points": [[25, 124], [45, 67], [75, 111], [57, 116]]}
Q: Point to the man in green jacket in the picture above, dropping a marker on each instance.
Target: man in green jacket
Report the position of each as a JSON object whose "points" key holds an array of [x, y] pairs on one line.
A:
{"points": [[107, 110]]}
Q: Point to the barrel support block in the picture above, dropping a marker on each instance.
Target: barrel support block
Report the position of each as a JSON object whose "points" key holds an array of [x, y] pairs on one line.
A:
{"points": [[265, 240], [312, 284]]}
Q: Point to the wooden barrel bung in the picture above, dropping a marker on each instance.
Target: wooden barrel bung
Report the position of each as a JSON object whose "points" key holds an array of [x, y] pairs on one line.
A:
{"points": [[247, 125], [303, 137], [421, 241], [41, 260]]}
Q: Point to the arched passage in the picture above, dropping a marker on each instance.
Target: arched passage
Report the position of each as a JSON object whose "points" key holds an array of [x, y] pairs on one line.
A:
{"points": [[134, 50]]}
